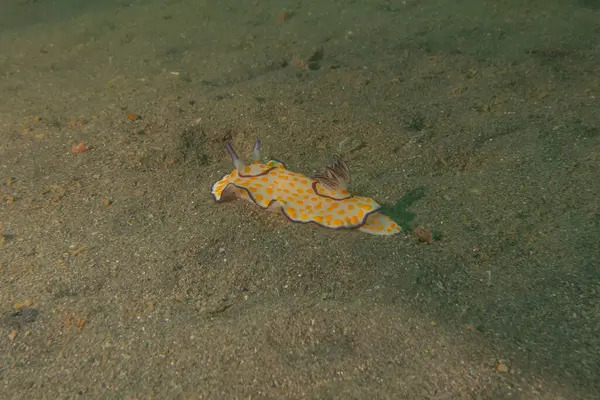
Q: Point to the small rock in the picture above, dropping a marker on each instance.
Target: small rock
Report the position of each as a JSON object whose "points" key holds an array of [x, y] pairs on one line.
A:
{"points": [[501, 367], [423, 235]]}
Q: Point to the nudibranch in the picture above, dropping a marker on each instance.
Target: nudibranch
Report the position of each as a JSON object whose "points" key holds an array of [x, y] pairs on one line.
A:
{"points": [[322, 199]]}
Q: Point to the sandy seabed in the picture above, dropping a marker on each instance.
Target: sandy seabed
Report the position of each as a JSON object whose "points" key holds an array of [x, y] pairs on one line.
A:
{"points": [[475, 122]]}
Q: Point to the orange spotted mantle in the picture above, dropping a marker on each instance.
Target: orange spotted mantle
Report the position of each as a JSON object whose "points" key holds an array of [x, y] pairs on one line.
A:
{"points": [[322, 199]]}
